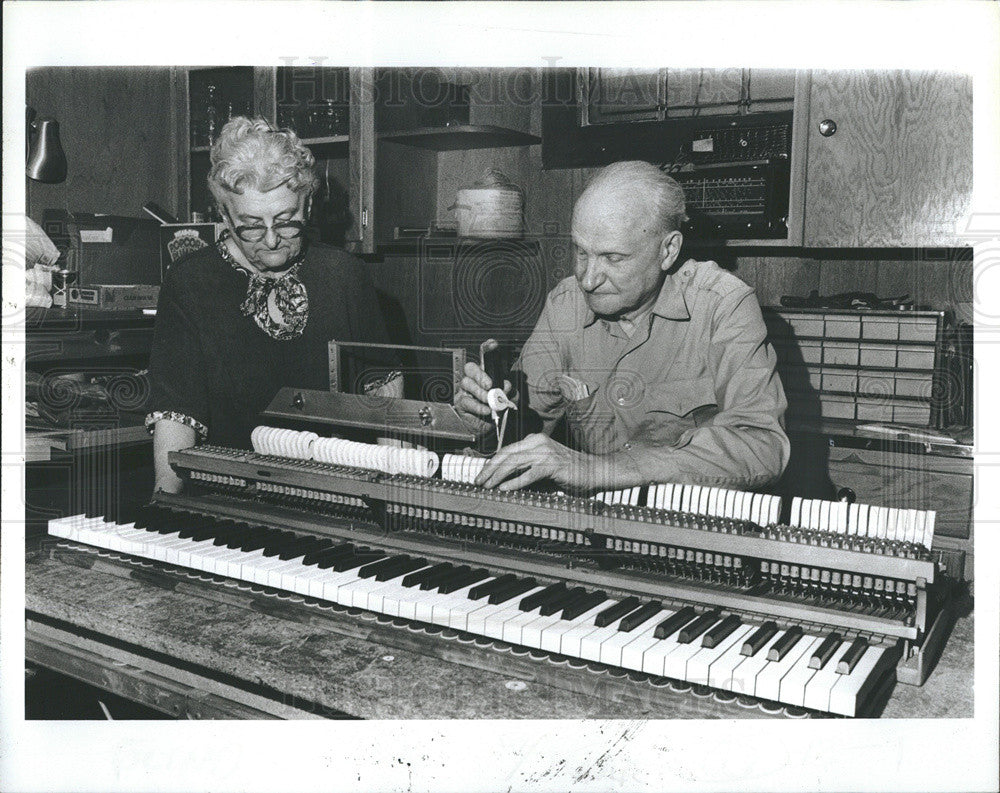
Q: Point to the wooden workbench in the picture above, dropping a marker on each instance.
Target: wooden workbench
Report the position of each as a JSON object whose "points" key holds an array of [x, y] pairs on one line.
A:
{"points": [[193, 648]]}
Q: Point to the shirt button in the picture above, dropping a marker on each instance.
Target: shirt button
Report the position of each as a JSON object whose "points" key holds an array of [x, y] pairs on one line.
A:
{"points": [[621, 400], [627, 446]]}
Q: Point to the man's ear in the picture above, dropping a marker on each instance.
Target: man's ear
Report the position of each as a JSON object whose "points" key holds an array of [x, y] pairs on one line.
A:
{"points": [[670, 248]]}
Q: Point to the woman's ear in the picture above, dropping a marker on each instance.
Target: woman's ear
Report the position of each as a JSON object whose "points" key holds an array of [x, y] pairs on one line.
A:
{"points": [[670, 248]]}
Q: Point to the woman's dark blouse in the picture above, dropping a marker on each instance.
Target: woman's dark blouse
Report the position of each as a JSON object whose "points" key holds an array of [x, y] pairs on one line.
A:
{"points": [[214, 365]]}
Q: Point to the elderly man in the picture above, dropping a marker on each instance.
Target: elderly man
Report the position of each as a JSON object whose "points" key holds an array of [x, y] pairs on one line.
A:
{"points": [[661, 372]]}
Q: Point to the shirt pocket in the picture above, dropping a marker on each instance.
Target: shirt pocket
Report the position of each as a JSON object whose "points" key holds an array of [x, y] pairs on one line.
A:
{"points": [[693, 398]]}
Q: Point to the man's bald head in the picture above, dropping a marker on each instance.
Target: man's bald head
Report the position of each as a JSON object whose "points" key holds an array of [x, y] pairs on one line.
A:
{"points": [[639, 190]]}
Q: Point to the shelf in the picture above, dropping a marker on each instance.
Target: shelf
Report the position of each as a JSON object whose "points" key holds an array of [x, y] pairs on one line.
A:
{"points": [[325, 140], [456, 138], [441, 246]]}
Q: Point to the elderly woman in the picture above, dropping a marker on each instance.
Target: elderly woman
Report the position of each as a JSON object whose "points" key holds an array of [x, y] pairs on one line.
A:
{"points": [[237, 321]]}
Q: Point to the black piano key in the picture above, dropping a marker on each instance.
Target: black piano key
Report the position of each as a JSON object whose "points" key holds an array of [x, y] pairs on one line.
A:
{"points": [[463, 581], [297, 548], [781, 647], [254, 540], [227, 531], [512, 590], [401, 569], [694, 629], [760, 637], [616, 612], [721, 631], [442, 572], [279, 543], [418, 577], [531, 602], [632, 621], [589, 601], [455, 574], [850, 659], [327, 559], [560, 603], [322, 544], [825, 650], [373, 569], [674, 623], [359, 558], [489, 587]]}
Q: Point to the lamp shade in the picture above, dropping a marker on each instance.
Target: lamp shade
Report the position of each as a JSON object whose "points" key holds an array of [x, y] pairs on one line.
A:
{"points": [[46, 160]]}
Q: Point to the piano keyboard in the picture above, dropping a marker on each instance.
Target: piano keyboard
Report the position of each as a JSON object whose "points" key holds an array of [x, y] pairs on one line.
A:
{"points": [[823, 671]]}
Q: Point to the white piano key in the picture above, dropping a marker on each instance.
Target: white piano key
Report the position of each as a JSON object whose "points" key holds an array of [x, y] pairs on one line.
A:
{"points": [[676, 497], [866, 520], [532, 633], [455, 601], [754, 511], [611, 648], [930, 517], [675, 664], [768, 682], [552, 638], [795, 519], [743, 677], [654, 658], [824, 516], [776, 510], [838, 517], [491, 621], [701, 506], [792, 688], [571, 640], [817, 690], [727, 503], [847, 693], [386, 598], [919, 525], [745, 505], [892, 524], [700, 665], [632, 652], [512, 627]]}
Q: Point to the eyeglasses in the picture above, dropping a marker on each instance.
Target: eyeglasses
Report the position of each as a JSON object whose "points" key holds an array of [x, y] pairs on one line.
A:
{"points": [[287, 230]]}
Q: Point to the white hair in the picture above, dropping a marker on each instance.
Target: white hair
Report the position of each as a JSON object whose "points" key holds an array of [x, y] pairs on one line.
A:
{"points": [[252, 153], [665, 193]]}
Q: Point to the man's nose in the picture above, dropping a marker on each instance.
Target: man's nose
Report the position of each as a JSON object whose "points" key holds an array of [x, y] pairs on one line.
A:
{"points": [[590, 275]]}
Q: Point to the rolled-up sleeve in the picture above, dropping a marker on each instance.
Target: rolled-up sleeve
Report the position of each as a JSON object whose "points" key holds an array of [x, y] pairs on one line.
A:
{"points": [[744, 444], [178, 391]]}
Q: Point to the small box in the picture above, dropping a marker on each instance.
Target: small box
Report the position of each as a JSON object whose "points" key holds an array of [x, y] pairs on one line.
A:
{"points": [[911, 384], [837, 380], [115, 297], [915, 358], [839, 352], [876, 384], [836, 407], [874, 410], [839, 326], [179, 239], [806, 324], [113, 249], [911, 414], [882, 328], [880, 355], [918, 329]]}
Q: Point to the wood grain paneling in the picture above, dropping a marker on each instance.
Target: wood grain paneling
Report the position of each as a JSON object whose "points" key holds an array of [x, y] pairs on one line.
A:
{"points": [[117, 131], [898, 171]]}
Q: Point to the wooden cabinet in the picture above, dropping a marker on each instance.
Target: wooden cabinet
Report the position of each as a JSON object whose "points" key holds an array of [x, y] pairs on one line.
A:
{"points": [[328, 107], [897, 169]]}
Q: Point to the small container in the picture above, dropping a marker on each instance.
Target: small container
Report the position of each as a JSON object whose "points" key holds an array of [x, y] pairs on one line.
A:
{"points": [[493, 208]]}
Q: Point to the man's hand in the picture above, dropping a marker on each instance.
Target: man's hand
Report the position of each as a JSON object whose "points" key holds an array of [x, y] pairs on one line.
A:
{"points": [[539, 457], [470, 401]]}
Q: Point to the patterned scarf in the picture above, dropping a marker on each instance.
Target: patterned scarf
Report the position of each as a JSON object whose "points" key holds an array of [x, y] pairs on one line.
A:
{"points": [[285, 294]]}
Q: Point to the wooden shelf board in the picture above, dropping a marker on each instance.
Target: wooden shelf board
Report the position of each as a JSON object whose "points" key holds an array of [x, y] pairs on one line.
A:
{"points": [[466, 136]]}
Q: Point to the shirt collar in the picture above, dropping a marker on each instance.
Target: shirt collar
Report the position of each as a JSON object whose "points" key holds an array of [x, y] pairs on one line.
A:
{"points": [[670, 304]]}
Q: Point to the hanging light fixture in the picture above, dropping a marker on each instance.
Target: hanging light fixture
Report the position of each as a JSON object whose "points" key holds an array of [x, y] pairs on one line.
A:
{"points": [[46, 158]]}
